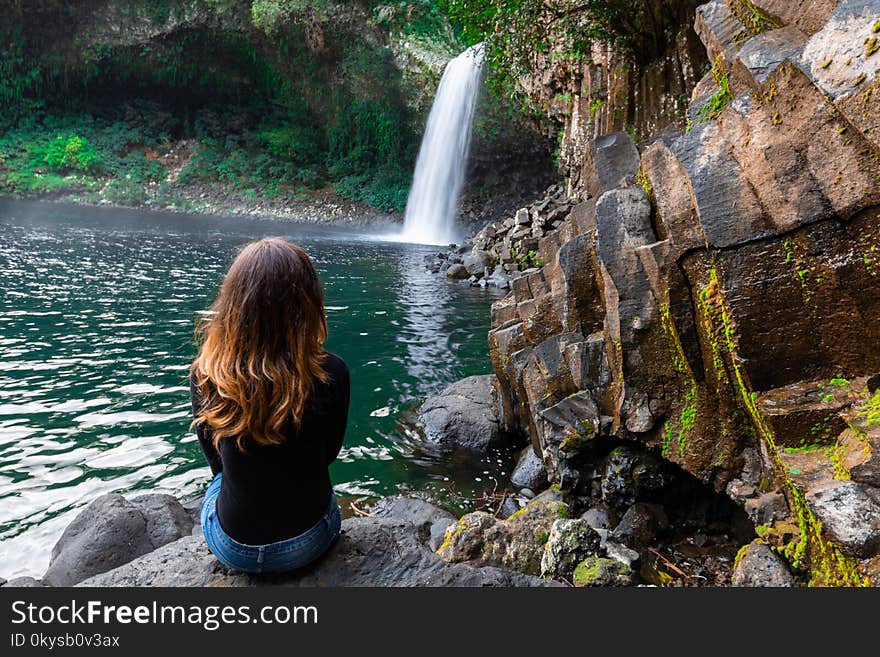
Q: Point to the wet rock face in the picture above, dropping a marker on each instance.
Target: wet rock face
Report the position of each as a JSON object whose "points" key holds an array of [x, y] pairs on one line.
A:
{"points": [[609, 92], [706, 291]]}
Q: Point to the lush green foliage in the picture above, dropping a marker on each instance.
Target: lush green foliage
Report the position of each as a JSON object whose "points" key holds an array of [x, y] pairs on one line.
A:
{"points": [[19, 76], [296, 143], [72, 153], [515, 31], [47, 153], [272, 15], [386, 188], [313, 122], [420, 19], [37, 157]]}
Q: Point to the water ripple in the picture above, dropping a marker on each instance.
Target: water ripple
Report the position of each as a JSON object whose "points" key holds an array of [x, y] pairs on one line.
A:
{"points": [[96, 327]]}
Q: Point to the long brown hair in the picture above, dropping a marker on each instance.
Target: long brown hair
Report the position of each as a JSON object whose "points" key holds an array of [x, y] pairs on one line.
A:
{"points": [[261, 345]]}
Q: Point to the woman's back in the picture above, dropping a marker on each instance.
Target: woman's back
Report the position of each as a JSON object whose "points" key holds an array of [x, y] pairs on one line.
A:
{"points": [[273, 492], [270, 407]]}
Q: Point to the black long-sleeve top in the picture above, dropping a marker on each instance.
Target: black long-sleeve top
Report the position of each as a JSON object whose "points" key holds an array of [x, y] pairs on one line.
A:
{"points": [[272, 493]]}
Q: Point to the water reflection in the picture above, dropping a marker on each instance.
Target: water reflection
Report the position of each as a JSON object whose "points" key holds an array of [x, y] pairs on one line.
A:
{"points": [[425, 320]]}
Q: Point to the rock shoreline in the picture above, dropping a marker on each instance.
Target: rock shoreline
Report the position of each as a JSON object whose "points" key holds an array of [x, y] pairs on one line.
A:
{"points": [[323, 208], [528, 538], [504, 250], [109, 544]]}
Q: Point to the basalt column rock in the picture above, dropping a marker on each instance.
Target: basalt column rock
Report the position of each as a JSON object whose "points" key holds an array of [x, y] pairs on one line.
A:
{"points": [[718, 302]]}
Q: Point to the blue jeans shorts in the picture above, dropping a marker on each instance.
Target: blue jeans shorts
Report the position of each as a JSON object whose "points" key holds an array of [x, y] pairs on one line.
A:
{"points": [[286, 555]]}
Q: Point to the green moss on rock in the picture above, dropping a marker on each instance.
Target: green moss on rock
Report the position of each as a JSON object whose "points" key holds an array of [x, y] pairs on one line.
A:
{"points": [[600, 571]]}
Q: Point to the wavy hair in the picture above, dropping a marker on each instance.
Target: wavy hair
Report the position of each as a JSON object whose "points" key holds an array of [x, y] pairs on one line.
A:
{"points": [[261, 345]]}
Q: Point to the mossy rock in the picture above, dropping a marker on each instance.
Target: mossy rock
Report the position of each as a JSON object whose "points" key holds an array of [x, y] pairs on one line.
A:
{"points": [[599, 571], [577, 441]]}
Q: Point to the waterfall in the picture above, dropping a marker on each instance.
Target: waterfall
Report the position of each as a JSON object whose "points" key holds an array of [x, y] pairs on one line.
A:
{"points": [[433, 197]]}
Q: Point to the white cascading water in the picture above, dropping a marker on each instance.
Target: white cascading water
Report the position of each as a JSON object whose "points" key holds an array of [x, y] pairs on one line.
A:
{"points": [[433, 198]]}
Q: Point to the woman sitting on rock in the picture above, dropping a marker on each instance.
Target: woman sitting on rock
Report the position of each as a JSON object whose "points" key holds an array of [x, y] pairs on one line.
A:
{"points": [[270, 408]]}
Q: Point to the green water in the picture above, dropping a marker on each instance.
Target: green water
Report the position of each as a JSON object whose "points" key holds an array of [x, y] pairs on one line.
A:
{"points": [[96, 315]]}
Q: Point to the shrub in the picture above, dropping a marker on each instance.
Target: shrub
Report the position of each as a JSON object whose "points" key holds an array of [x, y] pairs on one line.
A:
{"points": [[296, 143], [73, 153], [385, 189]]}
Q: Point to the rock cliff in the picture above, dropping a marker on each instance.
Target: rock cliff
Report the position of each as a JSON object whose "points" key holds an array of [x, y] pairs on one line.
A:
{"points": [[713, 294]]}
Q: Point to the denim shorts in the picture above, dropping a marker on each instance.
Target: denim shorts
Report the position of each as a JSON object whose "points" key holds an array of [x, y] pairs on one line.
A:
{"points": [[286, 555]]}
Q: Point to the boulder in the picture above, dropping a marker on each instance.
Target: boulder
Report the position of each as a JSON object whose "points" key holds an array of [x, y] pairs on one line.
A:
{"points": [[596, 517], [601, 571], [569, 543], [640, 525], [193, 507], [109, 532], [529, 471], [758, 565], [620, 553], [113, 530], [457, 271], [22, 583], [516, 543], [167, 519], [462, 415], [500, 278], [476, 262]]}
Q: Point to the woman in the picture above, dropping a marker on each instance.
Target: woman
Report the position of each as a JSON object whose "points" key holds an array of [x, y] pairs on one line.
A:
{"points": [[270, 408]]}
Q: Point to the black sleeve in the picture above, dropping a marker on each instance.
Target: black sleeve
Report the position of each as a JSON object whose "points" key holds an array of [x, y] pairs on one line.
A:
{"points": [[339, 409], [208, 449]]}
